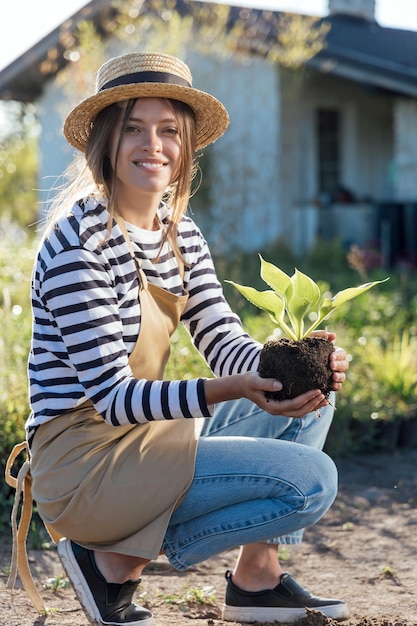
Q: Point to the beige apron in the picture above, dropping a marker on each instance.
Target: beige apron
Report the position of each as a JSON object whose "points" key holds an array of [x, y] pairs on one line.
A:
{"points": [[114, 488]]}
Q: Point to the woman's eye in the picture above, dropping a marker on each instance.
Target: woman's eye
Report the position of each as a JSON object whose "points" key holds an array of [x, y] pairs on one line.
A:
{"points": [[172, 131], [132, 129]]}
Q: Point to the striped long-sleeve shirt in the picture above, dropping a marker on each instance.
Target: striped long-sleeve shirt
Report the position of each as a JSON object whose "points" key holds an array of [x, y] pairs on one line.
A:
{"points": [[86, 320]]}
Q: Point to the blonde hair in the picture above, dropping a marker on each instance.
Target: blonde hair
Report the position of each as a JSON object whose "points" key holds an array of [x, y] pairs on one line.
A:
{"points": [[92, 174]]}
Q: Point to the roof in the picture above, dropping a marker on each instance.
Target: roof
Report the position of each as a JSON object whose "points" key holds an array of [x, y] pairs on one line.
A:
{"points": [[367, 53], [355, 48], [24, 79]]}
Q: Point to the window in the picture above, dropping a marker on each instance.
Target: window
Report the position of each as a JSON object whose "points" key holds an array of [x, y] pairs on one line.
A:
{"points": [[328, 143]]}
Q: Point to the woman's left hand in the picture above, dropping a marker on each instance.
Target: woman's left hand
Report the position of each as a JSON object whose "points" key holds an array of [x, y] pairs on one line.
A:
{"points": [[338, 359]]}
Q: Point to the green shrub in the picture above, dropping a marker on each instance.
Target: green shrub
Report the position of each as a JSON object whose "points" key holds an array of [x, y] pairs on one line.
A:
{"points": [[389, 367], [16, 260]]}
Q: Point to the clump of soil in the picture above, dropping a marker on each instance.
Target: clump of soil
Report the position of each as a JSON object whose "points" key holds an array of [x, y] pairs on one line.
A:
{"points": [[315, 618], [299, 365]]}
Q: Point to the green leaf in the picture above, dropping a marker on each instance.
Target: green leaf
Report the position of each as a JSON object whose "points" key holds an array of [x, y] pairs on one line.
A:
{"points": [[331, 304], [278, 280], [266, 300], [304, 287], [303, 296], [294, 299], [348, 294]]}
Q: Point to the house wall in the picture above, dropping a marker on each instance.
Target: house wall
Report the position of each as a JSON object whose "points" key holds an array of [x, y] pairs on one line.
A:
{"points": [[366, 158], [405, 148], [244, 210], [55, 153], [366, 142]]}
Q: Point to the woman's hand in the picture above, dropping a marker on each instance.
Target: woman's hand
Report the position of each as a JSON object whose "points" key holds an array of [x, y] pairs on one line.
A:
{"points": [[338, 359], [311, 400], [253, 387]]}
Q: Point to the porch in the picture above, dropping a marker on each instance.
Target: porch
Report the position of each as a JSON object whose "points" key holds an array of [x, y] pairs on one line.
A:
{"points": [[387, 229]]}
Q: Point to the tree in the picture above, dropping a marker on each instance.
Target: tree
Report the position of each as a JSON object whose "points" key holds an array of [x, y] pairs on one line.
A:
{"points": [[18, 164]]}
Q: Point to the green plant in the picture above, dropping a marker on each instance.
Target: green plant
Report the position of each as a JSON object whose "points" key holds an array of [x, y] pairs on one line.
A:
{"points": [[191, 596], [16, 260], [390, 367], [56, 583], [387, 571], [296, 303], [15, 331], [185, 362], [284, 552]]}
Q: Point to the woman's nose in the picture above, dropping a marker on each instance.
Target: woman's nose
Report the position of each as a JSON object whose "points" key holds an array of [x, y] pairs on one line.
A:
{"points": [[152, 141]]}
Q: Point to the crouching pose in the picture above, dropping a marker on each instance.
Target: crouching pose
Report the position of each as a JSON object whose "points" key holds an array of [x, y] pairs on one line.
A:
{"points": [[126, 465]]}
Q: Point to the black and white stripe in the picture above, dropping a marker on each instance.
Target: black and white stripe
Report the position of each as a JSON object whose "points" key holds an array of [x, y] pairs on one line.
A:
{"points": [[87, 320]]}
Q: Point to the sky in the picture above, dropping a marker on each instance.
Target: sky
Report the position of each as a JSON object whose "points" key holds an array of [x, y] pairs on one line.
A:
{"points": [[24, 22]]}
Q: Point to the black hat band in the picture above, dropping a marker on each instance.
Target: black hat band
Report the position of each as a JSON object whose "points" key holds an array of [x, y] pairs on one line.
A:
{"points": [[146, 77]]}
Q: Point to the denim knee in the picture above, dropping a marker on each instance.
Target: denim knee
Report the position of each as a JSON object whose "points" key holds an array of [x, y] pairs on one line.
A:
{"points": [[329, 483]]}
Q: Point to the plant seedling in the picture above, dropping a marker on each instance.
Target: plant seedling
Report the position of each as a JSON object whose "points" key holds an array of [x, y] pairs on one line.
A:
{"points": [[293, 302], [297, 305]]}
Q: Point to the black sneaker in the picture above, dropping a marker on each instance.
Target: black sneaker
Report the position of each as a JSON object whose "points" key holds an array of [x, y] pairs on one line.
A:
{"points": [[285, 603], [103, 602]]}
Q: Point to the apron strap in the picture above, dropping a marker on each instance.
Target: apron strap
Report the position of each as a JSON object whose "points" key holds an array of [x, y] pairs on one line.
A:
{"points": [[20, 564], [143, 281], [141, 274]]}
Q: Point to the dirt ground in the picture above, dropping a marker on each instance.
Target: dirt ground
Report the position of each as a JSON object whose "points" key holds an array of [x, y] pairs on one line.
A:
{"points": [[364, 551]]}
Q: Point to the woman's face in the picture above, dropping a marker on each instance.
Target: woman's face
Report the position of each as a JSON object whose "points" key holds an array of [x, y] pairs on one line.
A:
{"points": [[149, 155]]}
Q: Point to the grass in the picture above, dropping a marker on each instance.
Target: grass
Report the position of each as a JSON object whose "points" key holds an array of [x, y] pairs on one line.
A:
{"points": [[56, 583], [190, 596]]}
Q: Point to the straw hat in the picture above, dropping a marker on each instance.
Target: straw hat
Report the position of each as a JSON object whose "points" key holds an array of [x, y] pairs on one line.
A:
{"points": [[149, 75]]}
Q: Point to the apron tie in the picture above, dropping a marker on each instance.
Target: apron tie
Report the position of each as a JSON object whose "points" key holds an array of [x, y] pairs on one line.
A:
{"points": [[20, 564]]}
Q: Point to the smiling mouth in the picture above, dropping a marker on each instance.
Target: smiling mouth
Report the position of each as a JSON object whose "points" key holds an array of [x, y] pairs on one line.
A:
{"points": [[151, 166]]}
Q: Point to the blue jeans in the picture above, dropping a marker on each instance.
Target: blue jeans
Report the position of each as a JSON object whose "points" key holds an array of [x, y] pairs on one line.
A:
{"points": [[257, 476]]}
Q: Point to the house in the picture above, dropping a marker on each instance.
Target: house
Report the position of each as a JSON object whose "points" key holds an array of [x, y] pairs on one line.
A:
{"points": [[327, 152]]}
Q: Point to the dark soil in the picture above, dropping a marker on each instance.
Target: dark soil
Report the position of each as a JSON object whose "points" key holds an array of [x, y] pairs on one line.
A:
{"points": [[299, 365], [363, 551]]}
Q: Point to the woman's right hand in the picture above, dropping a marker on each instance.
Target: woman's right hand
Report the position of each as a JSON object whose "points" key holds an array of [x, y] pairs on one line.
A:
{"points": [[253, 387]]}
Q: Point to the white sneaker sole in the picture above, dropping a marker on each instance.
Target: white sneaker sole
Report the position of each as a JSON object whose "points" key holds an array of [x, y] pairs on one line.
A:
{"points": [[82, 590], [275, 614]]}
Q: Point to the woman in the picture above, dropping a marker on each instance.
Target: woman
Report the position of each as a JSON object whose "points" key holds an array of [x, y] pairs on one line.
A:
{"points": [[117, 463]]}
